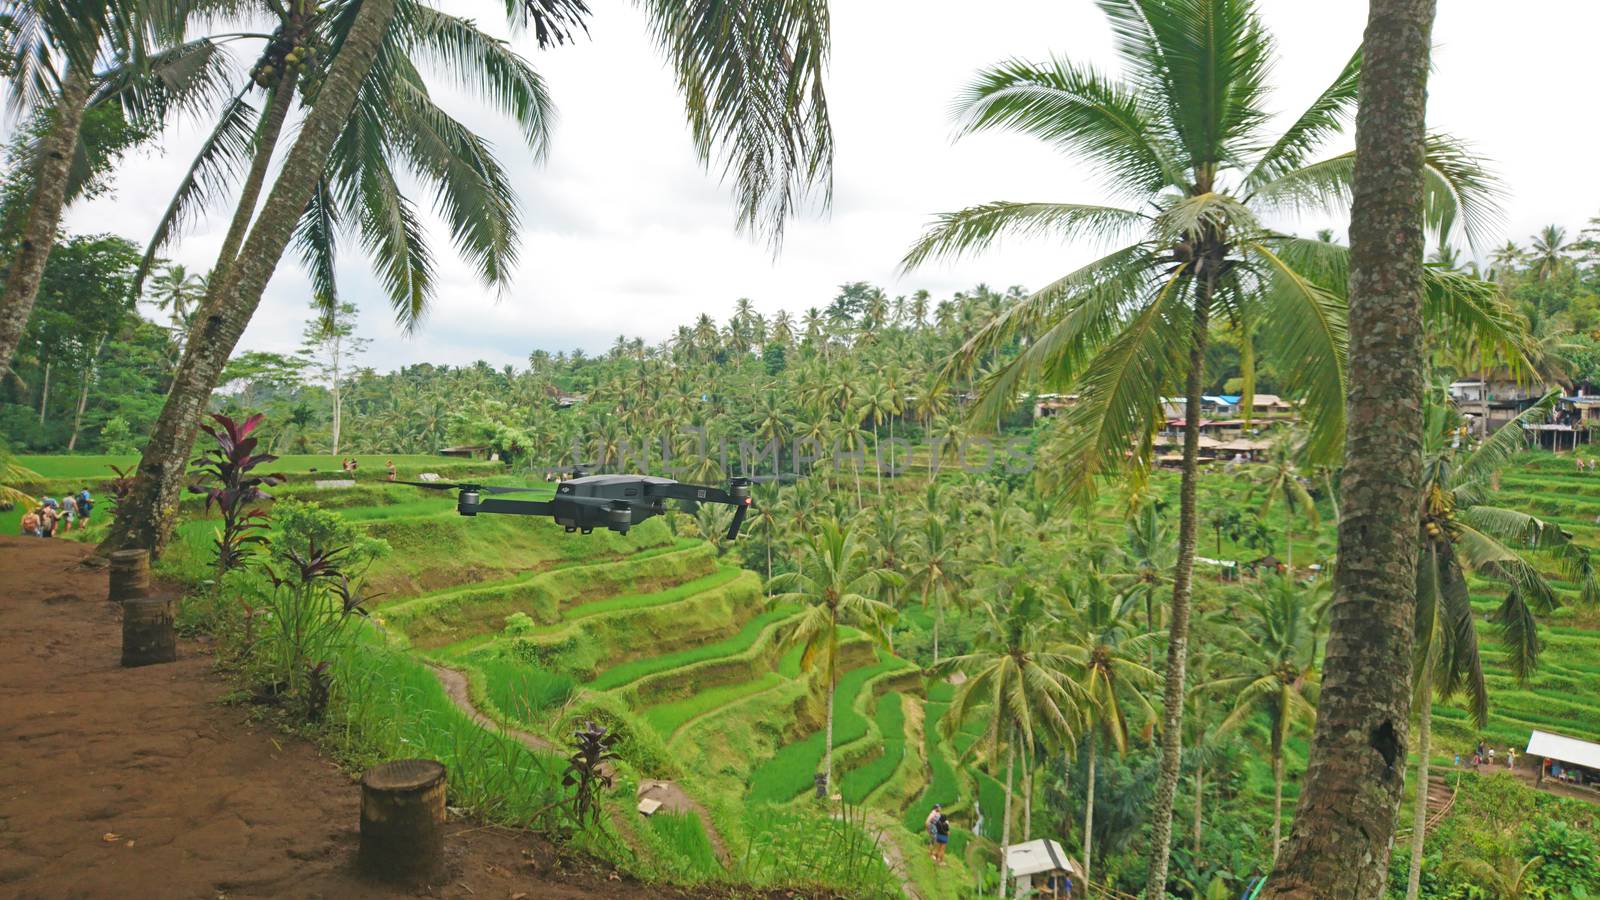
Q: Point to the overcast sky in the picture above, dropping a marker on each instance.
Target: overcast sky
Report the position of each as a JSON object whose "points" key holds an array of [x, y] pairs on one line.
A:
{"points": [[624, 233]]}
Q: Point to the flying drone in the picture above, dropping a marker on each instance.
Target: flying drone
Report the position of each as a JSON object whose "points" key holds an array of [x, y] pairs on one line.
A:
{"points": [[617, 502]]}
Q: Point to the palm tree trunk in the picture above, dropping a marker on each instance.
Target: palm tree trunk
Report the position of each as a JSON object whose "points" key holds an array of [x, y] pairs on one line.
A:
{"points": [[267, 133], [877, 458], [1344, 828], [938, 623], [1178, 622], [827, 761], [145, 519], [1088, 814], [1419, 816], [1277, 800], [83, 393], [44, 393], [38, 235], [1199, 805], [1005, 819]]}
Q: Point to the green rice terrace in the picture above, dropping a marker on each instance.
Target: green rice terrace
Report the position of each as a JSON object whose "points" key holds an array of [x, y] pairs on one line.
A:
{"points": [[493, 637]]}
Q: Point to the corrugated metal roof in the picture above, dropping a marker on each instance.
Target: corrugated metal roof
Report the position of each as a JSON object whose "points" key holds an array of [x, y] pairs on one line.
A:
{"points": [[1565, 749]]}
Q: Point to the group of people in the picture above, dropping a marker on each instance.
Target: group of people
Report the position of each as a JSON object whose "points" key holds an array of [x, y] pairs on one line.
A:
{"points": [[1483, 754], [54, 516], [1583, 465], [350, 465]]}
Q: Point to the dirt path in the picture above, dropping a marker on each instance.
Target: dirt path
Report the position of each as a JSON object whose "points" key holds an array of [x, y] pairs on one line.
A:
{"points": [[135, 783], [878, 826], [673, 798]]}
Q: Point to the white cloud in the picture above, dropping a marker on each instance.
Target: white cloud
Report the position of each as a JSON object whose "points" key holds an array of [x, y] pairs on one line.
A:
{"points": [[625, 233]]}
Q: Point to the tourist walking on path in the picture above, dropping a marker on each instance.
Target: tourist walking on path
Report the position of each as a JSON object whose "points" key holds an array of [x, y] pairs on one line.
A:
{"points": [[931, 825], [85, 506], [941, 838], [30, 524], [392, 471], [69, 512], [47, 518]]}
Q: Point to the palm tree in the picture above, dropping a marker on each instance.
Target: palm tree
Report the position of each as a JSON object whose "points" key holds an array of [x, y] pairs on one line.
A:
{"points": [[1017, 684], [51, 49], [175, 291], [836, 581], [1278, 674], [935, 572], [1548, 252], [1279, 480], [1183, 138], [735, 63], [1460, 532], [1098, 633], [1148, 553]]}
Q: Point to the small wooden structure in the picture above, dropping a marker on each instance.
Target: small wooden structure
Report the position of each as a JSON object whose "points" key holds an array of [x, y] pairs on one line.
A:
{"points": [[402, 821], [1565, 758], [130, 575], [1042, 869], [148, 636]]}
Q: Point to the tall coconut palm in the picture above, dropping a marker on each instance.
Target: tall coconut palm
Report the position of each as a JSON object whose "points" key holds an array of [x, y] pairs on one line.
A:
{"points": [[1279, 483], [935, 569], [1098, 633], [1460, 532], [836, 581], [1278, 674], [1148, 553], [1182, 137], [53, 60], [1016, 683], [751, 75], [1547, 252]]}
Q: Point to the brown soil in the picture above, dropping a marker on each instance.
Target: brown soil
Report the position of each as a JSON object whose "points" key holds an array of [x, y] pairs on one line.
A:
{"points": [[139, 783]]}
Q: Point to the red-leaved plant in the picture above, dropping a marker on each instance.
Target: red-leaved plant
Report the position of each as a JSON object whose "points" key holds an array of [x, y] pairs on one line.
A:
{"points": [[234, 488]]}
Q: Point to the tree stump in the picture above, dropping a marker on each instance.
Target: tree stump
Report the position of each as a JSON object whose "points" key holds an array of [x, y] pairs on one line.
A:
{"points": [[402, 821], [130, 575], [147, 634]]}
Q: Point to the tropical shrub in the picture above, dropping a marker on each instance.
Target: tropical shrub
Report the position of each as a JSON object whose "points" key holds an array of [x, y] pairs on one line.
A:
{"points": [[234, 490]]}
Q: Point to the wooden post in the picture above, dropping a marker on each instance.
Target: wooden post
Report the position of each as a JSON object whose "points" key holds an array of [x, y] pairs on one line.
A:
{"points": [[147, 634], [402, 820], [130, 575]]}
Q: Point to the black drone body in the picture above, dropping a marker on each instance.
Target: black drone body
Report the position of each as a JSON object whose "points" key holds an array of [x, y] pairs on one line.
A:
{"points": [[617, 502]]}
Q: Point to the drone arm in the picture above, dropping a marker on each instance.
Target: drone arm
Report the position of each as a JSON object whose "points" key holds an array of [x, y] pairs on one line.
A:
{"points": [[691, 492], [514, 507]]}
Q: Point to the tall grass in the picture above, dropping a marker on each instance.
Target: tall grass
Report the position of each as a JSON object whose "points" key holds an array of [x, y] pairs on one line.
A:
{"points": [[795, 848], [682, 848]]}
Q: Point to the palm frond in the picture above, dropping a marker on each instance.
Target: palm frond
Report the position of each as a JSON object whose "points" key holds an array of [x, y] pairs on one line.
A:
{"points": [[489, 68], [751, 77], [1459, 195], [1499, 449], [1325, 117], [1121, 389], [976, 228], [1303, 325], [316, 237], [1078, 110], [230, 145], [1067, 322]]}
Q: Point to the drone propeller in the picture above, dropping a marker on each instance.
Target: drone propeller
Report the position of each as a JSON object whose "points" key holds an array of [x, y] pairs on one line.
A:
{"points": [[480, 488]]}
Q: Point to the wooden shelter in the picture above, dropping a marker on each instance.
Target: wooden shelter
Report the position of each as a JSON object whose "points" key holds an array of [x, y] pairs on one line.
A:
{"points": [[1042, 869]]}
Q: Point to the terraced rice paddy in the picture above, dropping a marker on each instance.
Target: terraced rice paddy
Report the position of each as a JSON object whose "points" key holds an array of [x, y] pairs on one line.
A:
{"points": [[681, 651]]}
